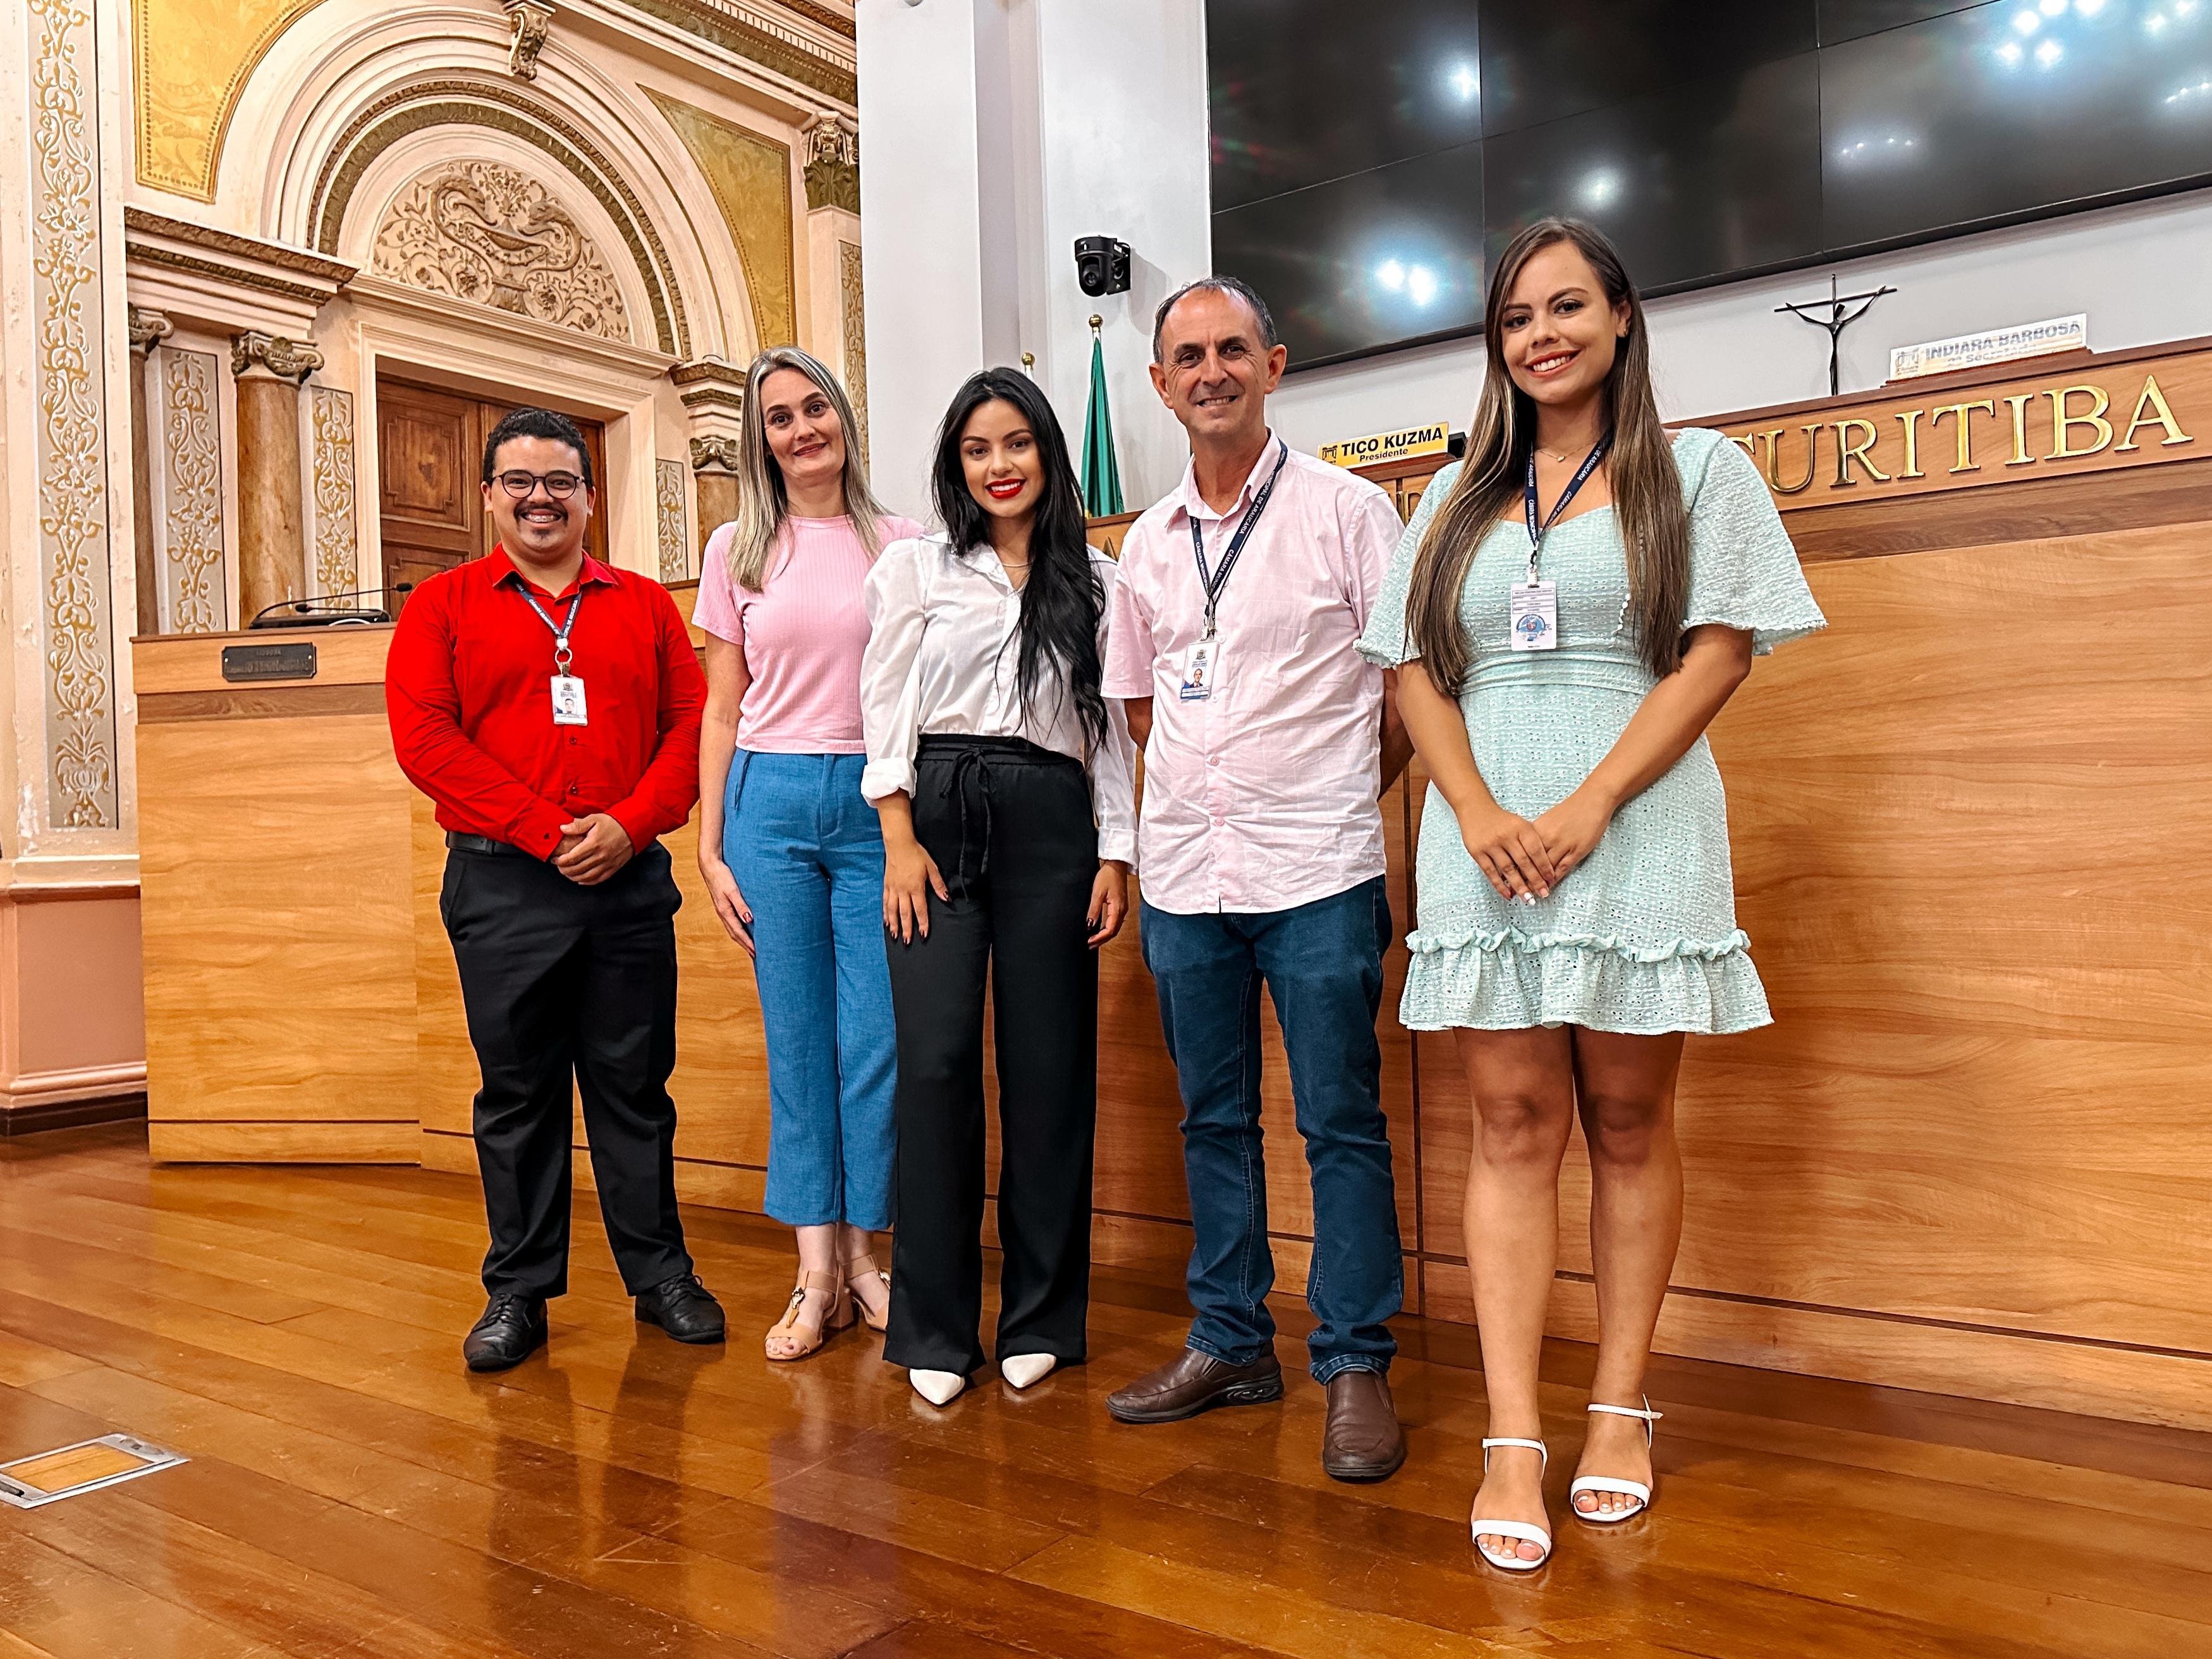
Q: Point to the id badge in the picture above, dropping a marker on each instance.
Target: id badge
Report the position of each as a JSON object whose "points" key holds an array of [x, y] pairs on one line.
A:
{"points": [[1201, 669], [1535, 607], [568, 700]]}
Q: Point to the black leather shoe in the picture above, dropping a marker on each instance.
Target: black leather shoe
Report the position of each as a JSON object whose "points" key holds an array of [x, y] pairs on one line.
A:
{"points": [[511, 1329], [1196, 1382], [681, 1306]]}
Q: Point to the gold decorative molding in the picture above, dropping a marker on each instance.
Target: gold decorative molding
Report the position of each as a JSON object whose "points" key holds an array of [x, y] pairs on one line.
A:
{"points": [[786, 51], [190, 264], [192, 518], [675, 545], [285, 360], [330, 471], [709, 385], [750, 177], [483, 232], [531, 22], [831, 144], [853, 322], [829, 17], [502, 109], [191, 61], [139, 225], [148, 329], [715, 452], [71, 455]]}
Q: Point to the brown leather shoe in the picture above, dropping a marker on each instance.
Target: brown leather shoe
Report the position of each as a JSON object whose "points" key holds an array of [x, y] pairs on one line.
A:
{"points": [[1363, 1441], [1196, 1382]]}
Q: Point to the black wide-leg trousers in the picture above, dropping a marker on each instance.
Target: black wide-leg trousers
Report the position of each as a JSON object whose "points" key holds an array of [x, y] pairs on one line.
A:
{"points": [[565, 985], [1009, 826]]}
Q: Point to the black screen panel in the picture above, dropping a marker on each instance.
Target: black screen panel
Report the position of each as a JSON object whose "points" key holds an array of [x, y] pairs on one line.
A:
{"points": [[1847, 20], [1975, 116], [1387, 256], [1302, 92], [1543, 62], [1704, 178]]}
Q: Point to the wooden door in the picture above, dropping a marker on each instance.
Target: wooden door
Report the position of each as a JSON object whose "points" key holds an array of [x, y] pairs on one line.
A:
{"points": [[430, 451]]}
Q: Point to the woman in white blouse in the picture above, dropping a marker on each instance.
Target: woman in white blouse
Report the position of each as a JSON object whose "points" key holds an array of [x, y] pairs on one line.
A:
{"points": [[1006, 786]]}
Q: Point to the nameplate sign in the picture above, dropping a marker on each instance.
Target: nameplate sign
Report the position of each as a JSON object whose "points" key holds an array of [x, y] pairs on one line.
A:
{"points": [[1434, 439], [1995, 345], [2093, 418], [269, 662]]}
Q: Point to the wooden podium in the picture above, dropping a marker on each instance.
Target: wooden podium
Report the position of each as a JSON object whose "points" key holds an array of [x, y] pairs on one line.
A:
{"points": [[1972, 826]]}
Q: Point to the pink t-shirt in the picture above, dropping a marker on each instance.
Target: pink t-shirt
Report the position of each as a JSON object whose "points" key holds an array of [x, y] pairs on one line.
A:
{"points": [[802, 634]]}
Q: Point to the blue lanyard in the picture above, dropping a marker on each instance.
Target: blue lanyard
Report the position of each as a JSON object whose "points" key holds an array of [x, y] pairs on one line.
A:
{"points": [[1537, 532], [1214, 583], [561, 656]]}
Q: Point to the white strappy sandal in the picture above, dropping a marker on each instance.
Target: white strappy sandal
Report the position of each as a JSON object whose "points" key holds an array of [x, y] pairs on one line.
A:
{"points": [[1635, 1489], [1523, 1530]]}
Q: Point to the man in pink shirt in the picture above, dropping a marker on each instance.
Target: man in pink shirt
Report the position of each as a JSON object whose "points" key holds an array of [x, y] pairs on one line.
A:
{"points": [[1266, 740]]}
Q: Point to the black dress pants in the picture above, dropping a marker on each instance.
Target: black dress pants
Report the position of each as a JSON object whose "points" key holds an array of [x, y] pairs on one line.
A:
{"points": [[1009, 826], [565, 983]]}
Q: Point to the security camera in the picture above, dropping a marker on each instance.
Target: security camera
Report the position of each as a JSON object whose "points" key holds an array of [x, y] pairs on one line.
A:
{"points": [[1102, 265]]}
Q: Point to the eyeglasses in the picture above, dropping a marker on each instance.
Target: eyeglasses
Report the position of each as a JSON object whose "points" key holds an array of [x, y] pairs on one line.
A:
{"points": [[521, 485]]}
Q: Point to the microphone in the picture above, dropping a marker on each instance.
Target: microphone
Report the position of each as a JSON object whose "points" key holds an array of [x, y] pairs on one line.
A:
{"points": [[315, 609]]}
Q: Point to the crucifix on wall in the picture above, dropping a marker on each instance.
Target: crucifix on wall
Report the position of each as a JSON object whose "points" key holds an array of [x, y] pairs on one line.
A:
{"points": [[1839, 316]]}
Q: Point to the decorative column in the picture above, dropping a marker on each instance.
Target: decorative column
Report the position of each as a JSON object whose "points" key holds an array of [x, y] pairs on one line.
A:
{"points": [[715, 475], [272, 549], [148, 329], [831, 142], [714, 394]]}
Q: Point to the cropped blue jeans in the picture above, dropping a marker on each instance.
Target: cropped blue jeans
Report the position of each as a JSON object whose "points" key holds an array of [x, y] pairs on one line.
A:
{"points": [[807, 852]]}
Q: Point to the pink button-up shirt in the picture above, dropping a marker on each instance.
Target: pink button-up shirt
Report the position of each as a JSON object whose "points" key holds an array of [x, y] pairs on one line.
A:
{"points": [[1262, 797]]}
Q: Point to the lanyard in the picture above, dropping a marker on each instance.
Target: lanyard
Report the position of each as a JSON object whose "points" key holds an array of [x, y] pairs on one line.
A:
{"points": [[560, 654], [1537, 532], [1213, 584]]}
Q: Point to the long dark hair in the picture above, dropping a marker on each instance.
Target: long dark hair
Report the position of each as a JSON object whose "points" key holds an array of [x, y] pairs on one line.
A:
{"points": [[1063, 598], [1647, 490]]}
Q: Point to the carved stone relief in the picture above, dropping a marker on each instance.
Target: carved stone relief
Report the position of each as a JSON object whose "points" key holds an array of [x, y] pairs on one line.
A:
{"points": [[832, 149], [531, 22], [83, 788], [329, 420], [675, 545], [191, 479], [853, 320], [483, 232]]}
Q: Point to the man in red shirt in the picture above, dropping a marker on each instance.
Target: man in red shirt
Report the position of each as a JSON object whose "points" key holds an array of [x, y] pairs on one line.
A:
{"points": [[549, 705]]}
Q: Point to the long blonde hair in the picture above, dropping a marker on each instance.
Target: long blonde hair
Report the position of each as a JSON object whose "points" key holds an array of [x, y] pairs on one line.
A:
{"points": [[1647, 490], [762, 502]]}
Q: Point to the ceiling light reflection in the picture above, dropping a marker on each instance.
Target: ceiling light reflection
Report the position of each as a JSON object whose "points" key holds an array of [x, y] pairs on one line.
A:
{"points": [[1464, 83], [1421, 284], [1391, 275], [2049, 53], [2009, 53], [2027, 21], [1600, 188]]}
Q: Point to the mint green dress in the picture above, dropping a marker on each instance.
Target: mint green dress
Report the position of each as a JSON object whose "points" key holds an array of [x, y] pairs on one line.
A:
{"points": [[1642, 938]]}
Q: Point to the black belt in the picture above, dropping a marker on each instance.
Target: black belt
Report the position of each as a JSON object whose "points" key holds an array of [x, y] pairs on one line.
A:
{"points": [[979, 755], [461, 844]]}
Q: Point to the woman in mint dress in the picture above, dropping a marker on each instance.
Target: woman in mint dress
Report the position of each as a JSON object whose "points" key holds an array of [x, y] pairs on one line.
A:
{"points": [[1576, 910]]}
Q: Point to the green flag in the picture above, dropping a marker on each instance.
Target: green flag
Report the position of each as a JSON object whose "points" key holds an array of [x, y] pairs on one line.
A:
{"points": [[1102, 474]]}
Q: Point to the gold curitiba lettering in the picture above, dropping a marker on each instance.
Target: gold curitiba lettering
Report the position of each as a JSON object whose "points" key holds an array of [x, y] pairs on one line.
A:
{"points": [[1964, 414], [2161, 415], [2018, 403], [1811, 432], [1847, 452], [2062, 422], [1910, 420]]}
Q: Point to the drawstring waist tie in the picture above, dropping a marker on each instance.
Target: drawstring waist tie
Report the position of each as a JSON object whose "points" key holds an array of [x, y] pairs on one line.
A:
{"points": [[976, 757]]}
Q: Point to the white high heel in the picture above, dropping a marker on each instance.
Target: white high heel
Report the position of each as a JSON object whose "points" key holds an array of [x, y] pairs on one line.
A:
{"points": [[938, 1388], [1524, 1530], [1636, 1489], [1021, 1370]]}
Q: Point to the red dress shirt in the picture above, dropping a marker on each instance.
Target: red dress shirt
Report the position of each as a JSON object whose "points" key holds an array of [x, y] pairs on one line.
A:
{"points": [[468, 688]]}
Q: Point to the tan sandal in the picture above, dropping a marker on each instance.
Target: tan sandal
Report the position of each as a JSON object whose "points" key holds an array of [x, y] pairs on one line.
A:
{"points": [[837, 1315], [858, 1268]]}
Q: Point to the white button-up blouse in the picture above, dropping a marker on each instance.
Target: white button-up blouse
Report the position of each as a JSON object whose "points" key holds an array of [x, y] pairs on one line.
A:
{"points": [[942, 656]]}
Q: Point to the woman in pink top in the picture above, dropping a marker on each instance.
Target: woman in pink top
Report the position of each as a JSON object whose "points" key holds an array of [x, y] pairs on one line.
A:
{"points": [[792, 854]]}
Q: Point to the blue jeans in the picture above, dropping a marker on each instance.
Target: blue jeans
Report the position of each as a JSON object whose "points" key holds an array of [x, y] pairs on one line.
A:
{"points": [[808, 855], [1322, 964]]}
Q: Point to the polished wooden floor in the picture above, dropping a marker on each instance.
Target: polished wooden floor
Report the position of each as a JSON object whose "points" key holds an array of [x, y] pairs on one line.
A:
{"points": [[352, 1491]]}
